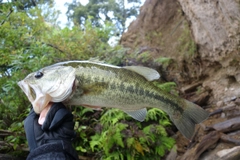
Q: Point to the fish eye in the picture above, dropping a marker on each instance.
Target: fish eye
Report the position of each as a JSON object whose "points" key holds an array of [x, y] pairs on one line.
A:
{"points": [[38, 75]]}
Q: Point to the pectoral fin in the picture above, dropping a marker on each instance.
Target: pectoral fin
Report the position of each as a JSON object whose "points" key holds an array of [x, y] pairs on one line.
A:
{"points": [[149, 73], [138, 114]]}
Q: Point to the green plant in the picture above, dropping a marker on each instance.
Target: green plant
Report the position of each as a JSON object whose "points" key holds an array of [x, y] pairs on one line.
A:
{"points": [[29, 43], [167, 86], [123, 138], [144, 57], [164, 61], [187, 46], [154, 36], [115, 135]]}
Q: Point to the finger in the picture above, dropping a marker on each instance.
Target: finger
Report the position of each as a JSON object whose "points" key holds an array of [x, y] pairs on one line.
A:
{"points": [[43, 114]]}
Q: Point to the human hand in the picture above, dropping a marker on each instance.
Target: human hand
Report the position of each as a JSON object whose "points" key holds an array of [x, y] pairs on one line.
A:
{"points": [[54, 126]]}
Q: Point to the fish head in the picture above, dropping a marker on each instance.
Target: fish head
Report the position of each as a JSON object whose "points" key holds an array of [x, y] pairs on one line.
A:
{"points": [[50, 84]]}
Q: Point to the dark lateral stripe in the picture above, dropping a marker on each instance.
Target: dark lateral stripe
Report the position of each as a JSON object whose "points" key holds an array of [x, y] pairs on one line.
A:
{"points": [[172, 103], [165, 100], [135, 90]]}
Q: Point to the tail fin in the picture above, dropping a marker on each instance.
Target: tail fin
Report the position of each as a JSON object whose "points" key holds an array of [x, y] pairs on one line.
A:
{"points": [[192, 114]]}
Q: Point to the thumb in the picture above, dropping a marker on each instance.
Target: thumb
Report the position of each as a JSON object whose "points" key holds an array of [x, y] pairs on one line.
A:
{"points": [[43, 114]]}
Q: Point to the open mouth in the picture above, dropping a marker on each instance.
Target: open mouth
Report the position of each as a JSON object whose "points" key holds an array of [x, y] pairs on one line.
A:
{"points": [[32, 93], [38, 99]]}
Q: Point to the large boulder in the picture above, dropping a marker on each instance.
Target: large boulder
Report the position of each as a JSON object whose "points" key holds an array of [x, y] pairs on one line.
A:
{"points": [[195, 42]]}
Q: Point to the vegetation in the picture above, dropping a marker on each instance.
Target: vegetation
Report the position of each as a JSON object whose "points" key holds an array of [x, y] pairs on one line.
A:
{"points": [[187, 45], [163, 61], [100, 11], [112, 134], [31, 39]]}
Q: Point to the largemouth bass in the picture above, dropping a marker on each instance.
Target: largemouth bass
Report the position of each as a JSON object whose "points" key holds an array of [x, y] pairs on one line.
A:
{"points": [[93, 84]]}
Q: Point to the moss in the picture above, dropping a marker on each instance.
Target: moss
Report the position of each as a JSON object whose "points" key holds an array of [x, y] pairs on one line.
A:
{"points": [[144, 57], [187, 46], [164, 61], [154, 37]]}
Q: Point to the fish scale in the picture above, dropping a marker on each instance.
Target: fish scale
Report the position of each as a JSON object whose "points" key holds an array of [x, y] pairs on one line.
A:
{"points": [[94, 84], [120, 87], [136, 98]]}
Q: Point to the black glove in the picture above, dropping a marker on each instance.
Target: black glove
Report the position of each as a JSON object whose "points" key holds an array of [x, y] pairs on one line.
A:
{"points": [[55, 135]]}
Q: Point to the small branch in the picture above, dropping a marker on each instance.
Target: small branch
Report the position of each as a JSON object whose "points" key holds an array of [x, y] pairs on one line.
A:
{"points": [[6, 133], [229, 139], [226, 126], [11, 10], [34, 3], [206, 142], [53, 46], [11, 145]]}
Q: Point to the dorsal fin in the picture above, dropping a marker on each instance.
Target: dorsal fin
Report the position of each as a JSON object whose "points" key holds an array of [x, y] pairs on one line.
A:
{"points": [[96, 60], [149, 73]]}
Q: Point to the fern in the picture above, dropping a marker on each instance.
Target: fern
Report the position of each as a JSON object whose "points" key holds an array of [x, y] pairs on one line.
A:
{"points": [[167, 87], [112, 116], [165, 143], [139, 147], [160, 150], [123, 138], [96, 141], [164, 122], [164, 61], [130, 142], [160, 130], [117, 136], [155, 114], [147, 129]]}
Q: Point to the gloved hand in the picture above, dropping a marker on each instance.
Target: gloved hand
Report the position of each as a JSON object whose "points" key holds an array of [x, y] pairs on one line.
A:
{"points": [[54, 135]]}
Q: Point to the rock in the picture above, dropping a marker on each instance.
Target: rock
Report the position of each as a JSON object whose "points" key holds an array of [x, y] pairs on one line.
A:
{"points": [[230, 139], [172, 154], [214, 24], [201, 99], [156, 21], [200, 37], [219, 104], [229, 106], [210, 154], [228, 99], [206, 142], [223, 115], [237, 77], [228, 125], [215, 29], [237, 101], [191, 87], [162, 31], [229, 154]]}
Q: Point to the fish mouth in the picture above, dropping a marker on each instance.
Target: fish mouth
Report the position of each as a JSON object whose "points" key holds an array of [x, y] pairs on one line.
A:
{"points": [[38, 99], [32, 93], [29, 92]]}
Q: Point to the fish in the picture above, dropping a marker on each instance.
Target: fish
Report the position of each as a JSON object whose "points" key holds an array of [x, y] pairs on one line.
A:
{"points": [[96, 85]]}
